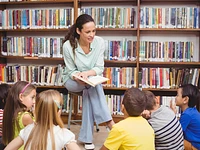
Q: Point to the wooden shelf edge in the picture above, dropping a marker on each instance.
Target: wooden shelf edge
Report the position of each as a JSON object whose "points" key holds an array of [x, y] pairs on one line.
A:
{"points": [[37, 2]]}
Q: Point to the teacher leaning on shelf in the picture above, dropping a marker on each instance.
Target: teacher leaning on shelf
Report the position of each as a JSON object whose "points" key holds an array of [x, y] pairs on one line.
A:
{"points": [[84, 56]]}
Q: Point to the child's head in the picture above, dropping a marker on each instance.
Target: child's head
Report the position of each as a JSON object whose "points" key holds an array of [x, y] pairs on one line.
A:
{"points": [[151, 100], [188, 95], [23, 95], [134, 102], [47, 114], [48, 108], [4, 88]]}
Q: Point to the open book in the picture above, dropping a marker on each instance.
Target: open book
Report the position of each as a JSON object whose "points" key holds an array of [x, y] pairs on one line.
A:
{"points": [[93, 80]]}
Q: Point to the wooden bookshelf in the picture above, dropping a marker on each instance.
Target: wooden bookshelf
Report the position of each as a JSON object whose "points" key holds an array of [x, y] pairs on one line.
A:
{"points": [[137, 33]]}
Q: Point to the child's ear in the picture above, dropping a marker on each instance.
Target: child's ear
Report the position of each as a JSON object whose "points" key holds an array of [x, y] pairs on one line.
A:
{"points": [[122, 108], [157, 100], [20, 96], [186, 100]]}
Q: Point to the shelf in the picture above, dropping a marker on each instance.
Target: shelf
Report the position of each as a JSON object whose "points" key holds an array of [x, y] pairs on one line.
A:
{"points": [[37, 2], [170, 29], [65, 29], [116, 29], [169, 1], [103, 1], [32, 58], [118, 63], [171, 64], [33, 30]]}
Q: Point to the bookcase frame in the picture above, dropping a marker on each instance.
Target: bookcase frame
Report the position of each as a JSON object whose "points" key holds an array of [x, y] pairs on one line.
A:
{"points": [[109, 63]]}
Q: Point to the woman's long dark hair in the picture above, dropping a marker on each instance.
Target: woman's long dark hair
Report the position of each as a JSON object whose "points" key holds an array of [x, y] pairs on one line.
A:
{"points": [[72, 35]]}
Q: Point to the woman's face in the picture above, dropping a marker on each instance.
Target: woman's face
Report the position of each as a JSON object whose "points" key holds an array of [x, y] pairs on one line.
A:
{"points": [[87, 33]]}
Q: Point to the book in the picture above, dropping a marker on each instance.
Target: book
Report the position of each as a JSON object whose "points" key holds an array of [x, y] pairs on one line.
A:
{"points": [[92, 80]]}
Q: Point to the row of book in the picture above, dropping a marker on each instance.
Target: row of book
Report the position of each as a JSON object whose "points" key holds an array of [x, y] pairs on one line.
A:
{"points": [[114, 50], [36, 18], [32, 46], [168, 77], [38, 75], [170, 17], [120, 50], [120, 77], [114, 17], [114, 103], [52, 47], [166, 51]]}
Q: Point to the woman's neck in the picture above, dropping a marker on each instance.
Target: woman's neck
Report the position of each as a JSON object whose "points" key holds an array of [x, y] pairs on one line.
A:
{"points": [[83, 44]]}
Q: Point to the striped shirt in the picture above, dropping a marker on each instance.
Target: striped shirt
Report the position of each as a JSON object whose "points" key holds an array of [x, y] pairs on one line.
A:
{"points": [[1, 120], [167, 128]]}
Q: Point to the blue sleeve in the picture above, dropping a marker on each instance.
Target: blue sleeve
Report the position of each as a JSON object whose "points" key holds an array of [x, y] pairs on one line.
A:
{"points": [[185, 121]]}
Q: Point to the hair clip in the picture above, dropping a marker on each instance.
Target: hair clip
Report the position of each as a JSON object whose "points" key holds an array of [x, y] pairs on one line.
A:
{"points": [[58, 104], [24, 88]]}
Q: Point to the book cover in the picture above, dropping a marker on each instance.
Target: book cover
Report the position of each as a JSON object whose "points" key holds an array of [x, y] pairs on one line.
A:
{"points": [[93, 80]]}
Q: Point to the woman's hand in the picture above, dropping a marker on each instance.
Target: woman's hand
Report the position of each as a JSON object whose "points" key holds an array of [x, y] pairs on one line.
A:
{"points": [[81, 74]]}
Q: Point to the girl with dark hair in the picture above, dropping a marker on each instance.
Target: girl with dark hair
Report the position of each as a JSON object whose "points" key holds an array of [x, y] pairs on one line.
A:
{"points": [[17, 115], [188, 98], [84, 56]]}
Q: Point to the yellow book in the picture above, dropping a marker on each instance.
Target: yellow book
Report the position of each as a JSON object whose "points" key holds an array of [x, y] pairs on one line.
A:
{"points": [[92, 80]]}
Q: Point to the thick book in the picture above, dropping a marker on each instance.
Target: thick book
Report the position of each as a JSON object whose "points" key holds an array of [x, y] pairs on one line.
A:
{"points": [[93, 80]]}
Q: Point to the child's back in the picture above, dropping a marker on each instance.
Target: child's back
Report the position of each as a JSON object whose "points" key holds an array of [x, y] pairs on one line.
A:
{"points": [[135, 132]]}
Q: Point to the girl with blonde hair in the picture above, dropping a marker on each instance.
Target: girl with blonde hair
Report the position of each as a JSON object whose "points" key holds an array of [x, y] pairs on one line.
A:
{"points": [[48, 132]]}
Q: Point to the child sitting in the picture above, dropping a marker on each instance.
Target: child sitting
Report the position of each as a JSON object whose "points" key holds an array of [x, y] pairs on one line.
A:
{"points": [[134, 132], [188, 99], [167, 129]]}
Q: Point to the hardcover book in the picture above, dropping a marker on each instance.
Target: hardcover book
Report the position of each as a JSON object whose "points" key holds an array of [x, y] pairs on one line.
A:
{"points": [[93, 80]]}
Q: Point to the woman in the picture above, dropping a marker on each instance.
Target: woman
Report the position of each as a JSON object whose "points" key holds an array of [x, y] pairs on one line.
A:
{"points": [[84, 56]]}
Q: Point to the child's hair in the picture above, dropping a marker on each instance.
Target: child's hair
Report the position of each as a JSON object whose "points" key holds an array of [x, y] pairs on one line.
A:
{"points": [[192, 92], [134, 102], [13, 106], [48, 103], [4, 88], [150, 100]]}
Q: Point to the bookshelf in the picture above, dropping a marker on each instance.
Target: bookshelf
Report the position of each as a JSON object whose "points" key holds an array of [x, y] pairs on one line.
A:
{"points": [[138, 31]]}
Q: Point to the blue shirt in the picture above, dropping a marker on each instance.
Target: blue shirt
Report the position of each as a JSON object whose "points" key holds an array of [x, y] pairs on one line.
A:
{"points": [[94, 60], [190, 122]]}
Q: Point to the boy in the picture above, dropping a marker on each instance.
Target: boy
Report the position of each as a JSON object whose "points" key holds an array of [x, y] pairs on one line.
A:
{"points": [[133, 132], [167, 129]]}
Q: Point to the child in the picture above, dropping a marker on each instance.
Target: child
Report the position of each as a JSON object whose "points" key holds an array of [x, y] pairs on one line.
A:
{"points": [[21, 99], [134, 132], [48, 131], [4, 88], [188, 98], [167, 129]]}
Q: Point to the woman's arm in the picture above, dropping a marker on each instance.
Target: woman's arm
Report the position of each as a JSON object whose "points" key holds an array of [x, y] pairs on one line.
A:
{"points": [[15, 144]]}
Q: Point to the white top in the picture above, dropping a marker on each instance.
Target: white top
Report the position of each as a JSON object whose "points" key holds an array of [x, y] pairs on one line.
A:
{"points": [[62, 136]]}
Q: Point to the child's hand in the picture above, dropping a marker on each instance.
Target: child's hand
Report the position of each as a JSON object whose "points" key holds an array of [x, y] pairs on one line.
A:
{"points": [[173, 106], [146, 114]]}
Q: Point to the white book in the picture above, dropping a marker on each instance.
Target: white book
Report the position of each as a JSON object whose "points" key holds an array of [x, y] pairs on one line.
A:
{"points": [[93, 80]]}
